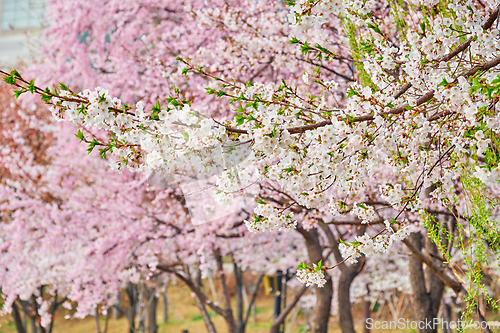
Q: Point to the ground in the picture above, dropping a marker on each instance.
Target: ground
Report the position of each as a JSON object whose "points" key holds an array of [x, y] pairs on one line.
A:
{"points": [[184, 315]]}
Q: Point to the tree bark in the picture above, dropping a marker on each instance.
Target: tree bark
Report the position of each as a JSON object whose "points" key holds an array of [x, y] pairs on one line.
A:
{"points": [[238, 275], [165, 306], [444, 277], [277, 322], [24, 305], [17, 319], [367, 309], [152, 324], [107, 321], [131, 313], [347, 275], [324, 295], [206, 317], [252, 300], [446, 317], [228, 311], [36, 318], [426, 286], [97, 326], [53, 311]]}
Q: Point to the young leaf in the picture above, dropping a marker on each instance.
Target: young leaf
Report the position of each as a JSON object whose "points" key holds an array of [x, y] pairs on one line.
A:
{"points": [[79, 135]]}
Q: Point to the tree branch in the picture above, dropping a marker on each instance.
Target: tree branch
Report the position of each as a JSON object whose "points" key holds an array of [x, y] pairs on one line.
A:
{"points": [[193, 288], [281, 318], [252, 300]]}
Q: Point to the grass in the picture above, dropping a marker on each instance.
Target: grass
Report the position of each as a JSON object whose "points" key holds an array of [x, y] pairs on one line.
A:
{"points": [[185, 315]]}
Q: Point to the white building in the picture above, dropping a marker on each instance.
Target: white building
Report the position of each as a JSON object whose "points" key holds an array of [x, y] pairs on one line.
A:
{"points": [[17, 17]]}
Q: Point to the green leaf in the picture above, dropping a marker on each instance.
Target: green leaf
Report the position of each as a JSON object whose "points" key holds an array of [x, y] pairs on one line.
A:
{"points": [[63, 86], [305, 48], [221, 93], [240, 119], [18, 93], [185, 71], [103, 151], [374, 28], [443, 83], [31, 86], [260, 201], [351, 92], [46, 98], [497, 80], [294, 40], [15, 73], [79, 135], [157, 107], [10, 80], [302, 265]]}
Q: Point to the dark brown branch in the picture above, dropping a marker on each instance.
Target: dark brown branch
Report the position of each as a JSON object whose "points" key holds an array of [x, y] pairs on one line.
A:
{"points": [[252, 300], [483, 67], [193, 288], [450, 282], [462, 47], [277, 322], [403, 90], [400, 109]]}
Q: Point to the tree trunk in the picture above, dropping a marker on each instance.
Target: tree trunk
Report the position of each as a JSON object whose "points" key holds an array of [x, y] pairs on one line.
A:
{"points": [[107, 321], [131, 313], [277, 322], [17, 319], [152, 324], [347, 275], [321, 313], [165, 306], [426, 286], [228, 311], [367, 309], [97, 326], [446, 318], [238, 275], [36, 318], [206, 318], [24, 305], [52, 313]]}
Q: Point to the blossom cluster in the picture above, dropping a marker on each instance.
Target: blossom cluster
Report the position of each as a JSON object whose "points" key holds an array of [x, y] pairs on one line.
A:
{"points": [[271, 219], [372, 245], [312, 276]]}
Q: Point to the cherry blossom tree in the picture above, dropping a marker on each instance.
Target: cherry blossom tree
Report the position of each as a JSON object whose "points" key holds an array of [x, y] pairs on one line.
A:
{"points": [[74, 229], [394, 123]]}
